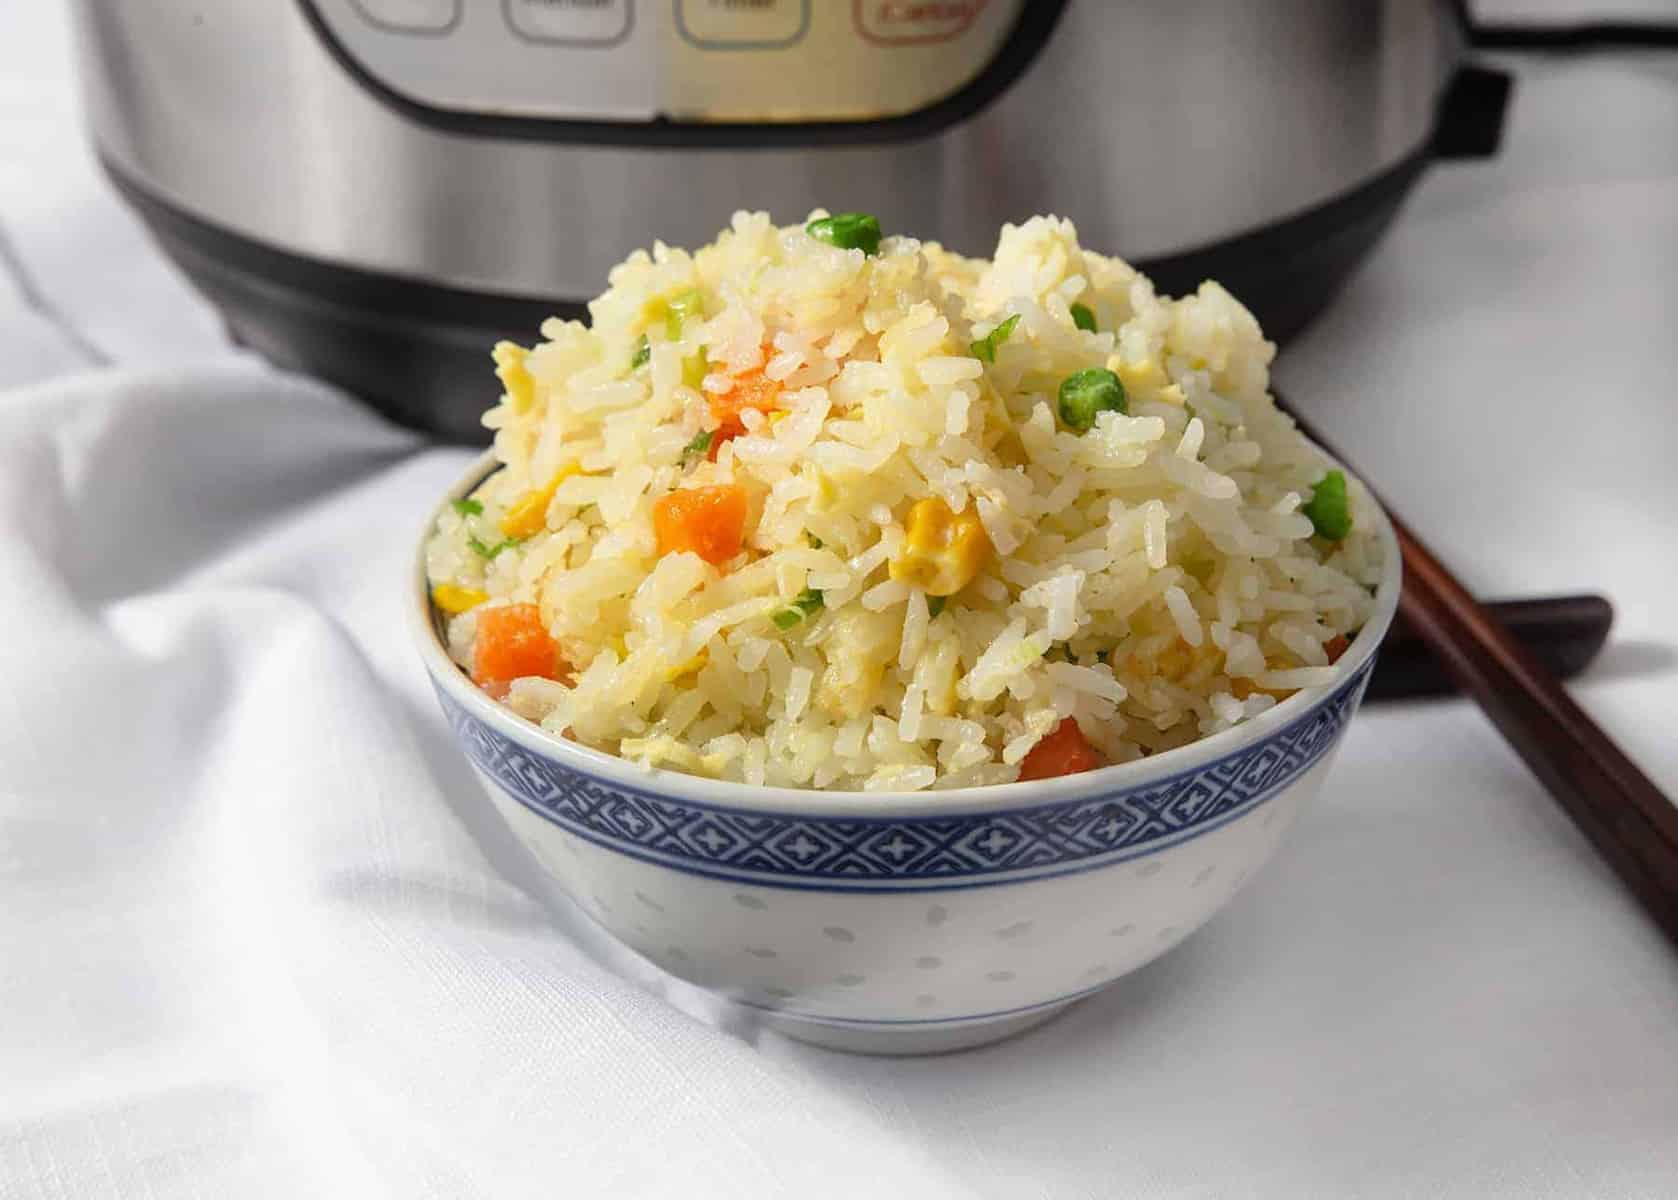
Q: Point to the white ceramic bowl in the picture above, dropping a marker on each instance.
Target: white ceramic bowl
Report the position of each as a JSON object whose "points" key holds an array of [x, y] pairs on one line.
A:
{"points": [[911, 922]]}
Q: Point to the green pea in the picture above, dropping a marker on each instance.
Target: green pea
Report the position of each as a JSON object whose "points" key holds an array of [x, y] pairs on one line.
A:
{"points": [[1083, 318], [1329, 509], [1085, 393], [848, 231]]}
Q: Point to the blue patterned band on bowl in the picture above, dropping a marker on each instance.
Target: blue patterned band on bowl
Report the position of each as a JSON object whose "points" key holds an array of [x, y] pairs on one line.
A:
{"points": [[940, 851]]}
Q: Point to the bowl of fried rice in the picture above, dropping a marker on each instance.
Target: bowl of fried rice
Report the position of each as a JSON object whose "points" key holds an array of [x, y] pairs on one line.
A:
{"points": [[900, 644]]}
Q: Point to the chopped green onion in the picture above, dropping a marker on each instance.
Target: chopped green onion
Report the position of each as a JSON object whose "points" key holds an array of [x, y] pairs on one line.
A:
{"points": [[467, 507], [807, 602], [935, 605], [483, 551], [848, 231], [985, 348], [694, 369], [701, 444], [643, 353], [1083, 318], [1085, 393], [681, 306], [1329, 509]]}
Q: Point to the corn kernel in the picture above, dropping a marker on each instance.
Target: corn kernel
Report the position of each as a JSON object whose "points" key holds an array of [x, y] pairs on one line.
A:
{"points": [[655, 310], [1142, 378], [692, 665], [1243, 688], [827, 493], [1176, 659], [1173, 395], [528, 515], [453, 599], [942, 551], [1173, 662], [509, 367]]}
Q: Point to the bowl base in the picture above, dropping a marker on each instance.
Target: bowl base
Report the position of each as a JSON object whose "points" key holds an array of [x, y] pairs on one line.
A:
{"points": [[908, 1037]]}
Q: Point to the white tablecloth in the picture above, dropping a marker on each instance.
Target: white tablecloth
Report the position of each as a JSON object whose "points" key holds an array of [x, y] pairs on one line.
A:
{"points": [[261, 936]]}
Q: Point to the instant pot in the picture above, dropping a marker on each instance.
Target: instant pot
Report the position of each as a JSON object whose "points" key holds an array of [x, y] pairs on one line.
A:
{"points": [[377, 190]]}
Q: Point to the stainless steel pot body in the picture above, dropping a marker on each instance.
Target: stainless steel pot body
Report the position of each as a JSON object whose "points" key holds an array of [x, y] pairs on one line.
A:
{"points": [[369, 188], [1156, 126]]}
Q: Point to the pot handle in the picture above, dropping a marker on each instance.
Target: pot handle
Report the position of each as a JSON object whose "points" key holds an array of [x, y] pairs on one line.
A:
{"points": [[1471, 113], [1472, 110]]}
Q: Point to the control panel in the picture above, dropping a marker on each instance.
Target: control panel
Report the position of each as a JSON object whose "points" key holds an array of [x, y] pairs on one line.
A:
{"points": [[702, 61]]}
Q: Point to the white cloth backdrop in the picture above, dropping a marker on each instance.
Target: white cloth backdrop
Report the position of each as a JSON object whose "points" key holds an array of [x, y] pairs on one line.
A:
{"points": [[261, 936]]}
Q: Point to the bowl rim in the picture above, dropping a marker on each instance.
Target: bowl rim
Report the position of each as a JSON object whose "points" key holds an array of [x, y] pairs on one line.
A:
{"points": [[988, 799]]}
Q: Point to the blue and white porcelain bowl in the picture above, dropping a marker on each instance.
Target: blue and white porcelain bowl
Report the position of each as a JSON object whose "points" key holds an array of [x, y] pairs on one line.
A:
{"points": [[916, 922]]}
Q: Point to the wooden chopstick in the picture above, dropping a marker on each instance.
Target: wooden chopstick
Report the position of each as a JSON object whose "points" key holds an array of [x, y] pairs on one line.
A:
{"points": [[1565, 633], [1629, 820]]}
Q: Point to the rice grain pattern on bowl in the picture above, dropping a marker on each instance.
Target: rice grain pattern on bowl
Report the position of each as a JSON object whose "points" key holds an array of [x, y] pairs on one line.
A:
{"points": [[814, 508], [899, 645]]}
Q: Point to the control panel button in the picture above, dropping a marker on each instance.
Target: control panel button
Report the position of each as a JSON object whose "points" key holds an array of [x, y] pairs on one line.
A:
{"points": [[410, 16], [577, 22], [743, 24], [914, 22]]}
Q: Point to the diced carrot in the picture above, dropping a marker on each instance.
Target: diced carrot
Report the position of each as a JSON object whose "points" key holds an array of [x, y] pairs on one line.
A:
{"points": [[726, 432], [512, 643], [710, 521], [1335, 647], [750, 389], [1066, 751]]}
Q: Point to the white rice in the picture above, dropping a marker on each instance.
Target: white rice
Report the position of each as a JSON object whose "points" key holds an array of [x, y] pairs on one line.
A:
{"points": [[1154, 578]]}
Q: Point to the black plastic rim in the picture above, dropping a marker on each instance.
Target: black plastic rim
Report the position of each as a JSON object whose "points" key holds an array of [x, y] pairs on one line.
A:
{"points": [[418, 351]]}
